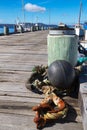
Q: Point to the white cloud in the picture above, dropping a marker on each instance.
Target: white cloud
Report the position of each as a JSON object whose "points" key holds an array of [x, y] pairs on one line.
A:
{"points": [[34, 8]]}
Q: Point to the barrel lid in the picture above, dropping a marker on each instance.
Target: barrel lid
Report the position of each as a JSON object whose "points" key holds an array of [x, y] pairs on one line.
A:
{"points": [[62, 30]]}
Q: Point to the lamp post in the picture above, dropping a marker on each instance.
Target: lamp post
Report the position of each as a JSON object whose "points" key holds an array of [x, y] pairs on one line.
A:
{"points": [[80, 12], [23, 11]]}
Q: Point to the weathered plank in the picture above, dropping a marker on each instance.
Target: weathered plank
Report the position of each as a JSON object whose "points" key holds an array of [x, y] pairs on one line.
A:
{"points": [[21, 122]]}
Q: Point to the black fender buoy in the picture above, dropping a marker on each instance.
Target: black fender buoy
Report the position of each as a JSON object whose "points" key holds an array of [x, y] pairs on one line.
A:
{"points": [[61, 74]]}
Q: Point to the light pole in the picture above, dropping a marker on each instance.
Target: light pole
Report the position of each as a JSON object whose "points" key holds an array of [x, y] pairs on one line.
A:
{"points": [[80, 11], [23, 10]]}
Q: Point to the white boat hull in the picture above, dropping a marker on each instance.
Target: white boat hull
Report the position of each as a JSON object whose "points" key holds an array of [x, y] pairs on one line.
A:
{"points": [[84, 44]]}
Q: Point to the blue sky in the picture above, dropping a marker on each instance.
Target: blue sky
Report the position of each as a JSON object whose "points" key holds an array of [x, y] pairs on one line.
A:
{"points": [[46, 11]]}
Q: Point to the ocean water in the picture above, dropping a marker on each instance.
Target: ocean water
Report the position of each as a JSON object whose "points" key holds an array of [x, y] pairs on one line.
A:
{"points": [[1, 30], [11, 29]]}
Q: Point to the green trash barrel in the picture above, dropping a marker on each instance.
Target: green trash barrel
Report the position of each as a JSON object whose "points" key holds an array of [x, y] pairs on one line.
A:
{"points": [[62, 45]]}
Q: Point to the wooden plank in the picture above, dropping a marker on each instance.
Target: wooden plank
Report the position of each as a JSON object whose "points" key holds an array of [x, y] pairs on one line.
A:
{"points": [[13, 86], [21, 122], [26, 93], [18, 122]]}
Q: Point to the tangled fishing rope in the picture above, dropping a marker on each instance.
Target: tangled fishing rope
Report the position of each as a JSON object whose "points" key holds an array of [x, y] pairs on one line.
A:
{"points": [[52, 106], [39, 82]]}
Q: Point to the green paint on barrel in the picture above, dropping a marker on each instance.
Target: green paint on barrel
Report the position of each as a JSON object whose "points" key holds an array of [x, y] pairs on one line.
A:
{"points": [[62, 47]]}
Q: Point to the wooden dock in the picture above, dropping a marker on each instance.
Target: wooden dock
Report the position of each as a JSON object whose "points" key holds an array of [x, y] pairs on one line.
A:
{"points": [[18, 54]]}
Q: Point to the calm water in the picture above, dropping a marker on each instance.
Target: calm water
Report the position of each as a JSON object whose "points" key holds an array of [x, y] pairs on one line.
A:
{"points": [[11, 29]]}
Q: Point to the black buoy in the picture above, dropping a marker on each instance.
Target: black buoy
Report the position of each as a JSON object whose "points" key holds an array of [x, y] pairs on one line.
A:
{"points": [[61, 74]]}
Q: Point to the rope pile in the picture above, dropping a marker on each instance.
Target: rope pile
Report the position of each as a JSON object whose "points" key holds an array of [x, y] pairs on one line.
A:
{"points": [[39, 82], [52, 106]]}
